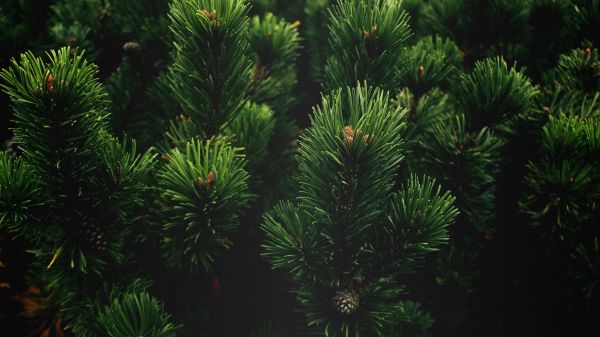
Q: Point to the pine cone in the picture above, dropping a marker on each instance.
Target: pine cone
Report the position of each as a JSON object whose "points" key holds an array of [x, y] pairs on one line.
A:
{"points": [[346, 301], [92, 236]]}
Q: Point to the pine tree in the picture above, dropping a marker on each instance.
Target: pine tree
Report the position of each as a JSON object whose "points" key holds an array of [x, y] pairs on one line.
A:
{"points": [[219, 122], [71, 193], [349, 236], [210, 75], [562, 183], [451, 116]]}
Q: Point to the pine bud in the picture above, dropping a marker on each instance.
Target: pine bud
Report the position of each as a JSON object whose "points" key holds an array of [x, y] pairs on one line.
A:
{"points": [[421, 72], [210, 179], [369, 35], [49, 82], [73, 41], [209, 182], [211, 16], [348, 133], [587, 52]]}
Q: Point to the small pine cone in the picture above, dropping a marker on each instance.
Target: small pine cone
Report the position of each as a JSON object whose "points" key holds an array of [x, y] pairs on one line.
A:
{"points": [[346, 301], [92, 236]]}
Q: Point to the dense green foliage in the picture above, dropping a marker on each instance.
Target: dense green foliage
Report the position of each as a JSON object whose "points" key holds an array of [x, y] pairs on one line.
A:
{"points": [[203, 192], [367, 37], [210, 72], [135, 314], [164, 151], [83, 183], [348, 229]]}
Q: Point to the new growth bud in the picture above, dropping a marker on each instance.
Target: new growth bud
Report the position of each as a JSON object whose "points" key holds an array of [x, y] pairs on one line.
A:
{"points": [[211, 16], [370, 34], [421, 72], [209, 182], [348, 133], [49, 82]]}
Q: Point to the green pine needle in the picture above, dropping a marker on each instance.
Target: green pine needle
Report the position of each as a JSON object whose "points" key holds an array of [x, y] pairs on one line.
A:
{"points": [[203, 192]]}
